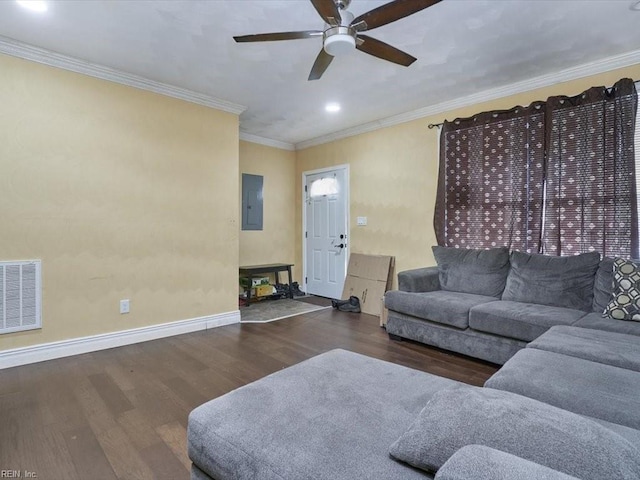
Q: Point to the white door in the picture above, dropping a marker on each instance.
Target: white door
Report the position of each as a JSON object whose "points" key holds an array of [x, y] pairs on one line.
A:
{"points": [[325, 236]]}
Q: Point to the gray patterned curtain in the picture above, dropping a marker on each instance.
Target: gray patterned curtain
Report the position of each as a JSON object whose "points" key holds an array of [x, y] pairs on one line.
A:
{"points": [[590, 179], [490, 187], [556, 177]]}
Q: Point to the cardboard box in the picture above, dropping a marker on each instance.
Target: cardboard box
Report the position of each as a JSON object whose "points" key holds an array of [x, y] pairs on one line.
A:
{"points": [[263, 290], [368, 278], [384, 313]]}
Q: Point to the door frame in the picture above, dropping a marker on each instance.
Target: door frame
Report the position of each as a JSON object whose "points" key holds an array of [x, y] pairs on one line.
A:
{"points": [[346, 168]]}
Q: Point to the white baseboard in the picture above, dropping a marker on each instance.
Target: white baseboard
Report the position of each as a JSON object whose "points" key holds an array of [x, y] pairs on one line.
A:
{"points": [[76, 346]]}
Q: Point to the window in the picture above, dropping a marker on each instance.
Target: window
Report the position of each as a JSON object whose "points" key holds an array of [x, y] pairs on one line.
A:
{"points": [[323, 187], [556, 177], [591, 193], [491, 180]]}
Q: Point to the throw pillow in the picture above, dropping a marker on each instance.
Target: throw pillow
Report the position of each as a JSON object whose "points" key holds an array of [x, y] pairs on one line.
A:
{"points": [[518, 425], [481, 272], [557, 281], [625, 304]]}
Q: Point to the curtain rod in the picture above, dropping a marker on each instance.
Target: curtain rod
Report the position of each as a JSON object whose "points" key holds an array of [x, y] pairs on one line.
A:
{"points": [[431, 126]]}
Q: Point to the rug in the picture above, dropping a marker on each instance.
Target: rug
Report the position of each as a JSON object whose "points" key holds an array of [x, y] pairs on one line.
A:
{"points": [[270, 310]]}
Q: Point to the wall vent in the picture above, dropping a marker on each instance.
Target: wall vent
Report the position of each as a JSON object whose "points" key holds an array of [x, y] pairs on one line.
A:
{"points": [[20, 296]]}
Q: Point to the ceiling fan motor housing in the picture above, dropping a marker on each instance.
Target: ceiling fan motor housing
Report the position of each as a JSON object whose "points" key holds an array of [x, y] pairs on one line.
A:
{"points": [[340, 40]]}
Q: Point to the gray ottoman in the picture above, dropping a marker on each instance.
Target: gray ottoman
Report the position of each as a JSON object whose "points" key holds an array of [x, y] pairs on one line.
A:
{"points": [[333, 416], [580, 386]]}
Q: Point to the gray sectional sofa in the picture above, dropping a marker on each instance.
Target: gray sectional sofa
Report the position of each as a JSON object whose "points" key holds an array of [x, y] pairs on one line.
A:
{"points": [[557, 410], [564, 406], [489, 304]]}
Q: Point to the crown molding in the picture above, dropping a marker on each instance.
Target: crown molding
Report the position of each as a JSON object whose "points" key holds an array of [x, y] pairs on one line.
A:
{"points": [[573, 73], [28, 52], [269, 142], [53, 59]]}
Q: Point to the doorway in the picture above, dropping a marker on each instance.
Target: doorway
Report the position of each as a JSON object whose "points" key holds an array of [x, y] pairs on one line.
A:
{"points": [[325, 221]]}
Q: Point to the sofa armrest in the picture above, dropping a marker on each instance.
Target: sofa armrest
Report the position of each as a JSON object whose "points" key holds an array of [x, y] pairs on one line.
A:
{"points": [[419, 280]]}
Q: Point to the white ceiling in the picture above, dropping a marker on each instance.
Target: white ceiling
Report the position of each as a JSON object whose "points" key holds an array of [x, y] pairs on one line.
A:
{"points": [[464, 47]]}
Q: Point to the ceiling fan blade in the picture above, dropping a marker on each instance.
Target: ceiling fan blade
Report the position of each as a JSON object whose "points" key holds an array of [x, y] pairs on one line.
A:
{"points": [[320, 65], [328, 10], [384, 51], [390, 12], [270, 37]]}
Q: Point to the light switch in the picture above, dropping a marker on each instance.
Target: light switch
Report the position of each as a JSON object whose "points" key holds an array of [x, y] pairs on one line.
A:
{"points": [[362, 221]]}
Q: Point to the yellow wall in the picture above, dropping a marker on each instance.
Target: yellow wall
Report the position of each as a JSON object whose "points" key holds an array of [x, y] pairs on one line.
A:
{"points": [[123, 194], [275, 243], [394, 175]]}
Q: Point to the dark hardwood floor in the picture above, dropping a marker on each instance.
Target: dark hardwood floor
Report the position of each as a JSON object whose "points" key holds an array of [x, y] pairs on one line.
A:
{"points": [[122, 413]]}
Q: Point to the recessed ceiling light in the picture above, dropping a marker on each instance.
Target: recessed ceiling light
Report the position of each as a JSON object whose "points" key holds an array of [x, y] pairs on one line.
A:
{"points": [[33, 5], [332, 107]]}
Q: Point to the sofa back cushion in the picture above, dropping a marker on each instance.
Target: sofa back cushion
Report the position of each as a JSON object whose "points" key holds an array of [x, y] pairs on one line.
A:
{"points": [[481, 272], [603, 285], [557, 281]]}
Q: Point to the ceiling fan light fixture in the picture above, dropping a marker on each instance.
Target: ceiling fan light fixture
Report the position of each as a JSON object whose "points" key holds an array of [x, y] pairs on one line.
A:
{"points": [[339, 45], [339, 41]]}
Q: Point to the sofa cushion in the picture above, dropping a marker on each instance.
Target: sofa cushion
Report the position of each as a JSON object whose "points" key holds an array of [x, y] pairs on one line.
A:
{"points": [[597, 322], [625, 302], [486, 346], [631, 434], [478, 462], [523, 321], [578, 385], [615, 349], [603, 285], [529, 429], [480, 272], [332, 416], [557, 281], [449, 308]]}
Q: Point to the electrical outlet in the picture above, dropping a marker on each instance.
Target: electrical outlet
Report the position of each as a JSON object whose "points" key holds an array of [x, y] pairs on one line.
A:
{"points": [[124, 306], [362, 221]]}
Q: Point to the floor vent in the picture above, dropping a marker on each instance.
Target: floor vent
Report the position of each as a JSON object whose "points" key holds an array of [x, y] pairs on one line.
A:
{"points": [[20, 296]]}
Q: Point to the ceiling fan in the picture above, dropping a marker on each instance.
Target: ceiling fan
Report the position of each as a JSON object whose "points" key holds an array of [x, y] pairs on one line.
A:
{"points": [[342, 31]]}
